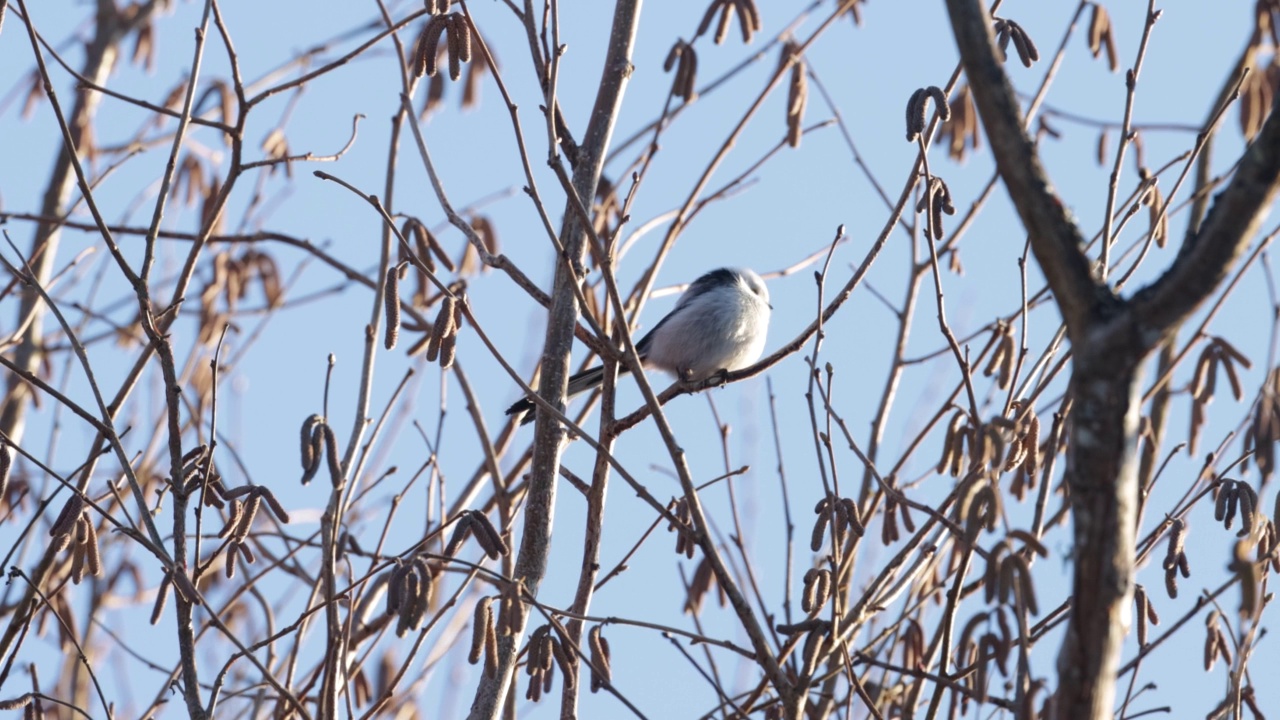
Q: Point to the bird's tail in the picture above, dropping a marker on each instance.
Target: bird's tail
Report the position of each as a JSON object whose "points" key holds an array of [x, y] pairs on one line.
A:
{"points": [[580, 383]]}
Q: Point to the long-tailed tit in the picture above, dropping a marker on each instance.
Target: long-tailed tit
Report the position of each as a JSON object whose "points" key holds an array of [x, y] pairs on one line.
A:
{"points": [[719, 324]]}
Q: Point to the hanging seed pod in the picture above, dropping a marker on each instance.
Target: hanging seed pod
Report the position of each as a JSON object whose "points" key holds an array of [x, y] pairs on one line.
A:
{"points": [[443, 327], [562, 659], [889, 530], [414, 233], [391, 303], [939, 102], [1212, 644], [448, 351], [312, 447], [684, 59], [1247, 499], [913, 645], [936, 199], [461, 529], [230, 566], [1021, 572], [426, 50], [1031, 443], [78, 558], [1224, 506], [459, 44], [979, 507], [748, 19], [276, 508], [162, 594], [917, 106], [686, 538], [246, 551], [1003, 358], [915, 114], [6, 458], [484, 527], [749, 15], [64, 524], [250, 511], [820, 525], [849, 517], [233, 518], [1030, 542], [396, 587], [907, 522], [481, 627], [601, 673], [953, 446], [491, 650], [1140, 605], [331, 452], [412, 594], [815, 646], [797, 99], [1027, 51], [93, 552], [817, 590], [1176, 559]]}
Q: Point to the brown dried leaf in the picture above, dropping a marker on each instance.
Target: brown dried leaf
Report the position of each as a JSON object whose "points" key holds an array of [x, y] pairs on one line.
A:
{"points": [[1101, 36], [144, 46]]}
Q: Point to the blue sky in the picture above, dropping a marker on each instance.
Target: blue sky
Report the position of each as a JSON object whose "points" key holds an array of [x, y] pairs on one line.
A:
{"points": [[785, 211]]}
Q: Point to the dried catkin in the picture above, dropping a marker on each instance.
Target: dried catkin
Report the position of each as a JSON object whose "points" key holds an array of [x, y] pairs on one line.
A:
{"points": [[6, 463], [493, 544], [391, 300], [481, 626], [601, 673], [427, 50]]}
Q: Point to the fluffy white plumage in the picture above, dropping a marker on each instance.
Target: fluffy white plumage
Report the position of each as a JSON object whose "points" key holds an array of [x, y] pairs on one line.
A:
{"points": [[720, 323]]}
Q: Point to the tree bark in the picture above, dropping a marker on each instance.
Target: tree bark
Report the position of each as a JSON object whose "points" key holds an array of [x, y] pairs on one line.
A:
{"points": [[1102, 474]]}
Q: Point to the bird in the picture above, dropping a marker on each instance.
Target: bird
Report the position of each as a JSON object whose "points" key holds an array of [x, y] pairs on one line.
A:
{"points": [[718, 325]]}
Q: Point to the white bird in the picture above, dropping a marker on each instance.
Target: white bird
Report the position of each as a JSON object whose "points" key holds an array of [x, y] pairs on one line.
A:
{"points": [[719, 324]]}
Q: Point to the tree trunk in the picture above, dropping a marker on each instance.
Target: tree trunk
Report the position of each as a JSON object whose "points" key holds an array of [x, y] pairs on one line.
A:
{"points": [[1102, 473]]}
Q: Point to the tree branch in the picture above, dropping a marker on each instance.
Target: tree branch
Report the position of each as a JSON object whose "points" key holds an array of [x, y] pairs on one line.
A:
{"points": [[1055, 239], [1208, 255], [535, 545]]}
